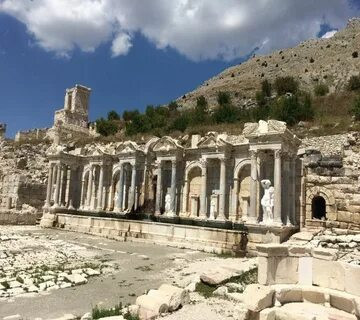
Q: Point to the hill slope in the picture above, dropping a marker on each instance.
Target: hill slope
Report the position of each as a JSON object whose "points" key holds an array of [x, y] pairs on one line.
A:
{"points": [[332, 61]]}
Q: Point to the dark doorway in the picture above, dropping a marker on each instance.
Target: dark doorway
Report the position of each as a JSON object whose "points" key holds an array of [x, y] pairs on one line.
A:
{"points": [[318, 208]]}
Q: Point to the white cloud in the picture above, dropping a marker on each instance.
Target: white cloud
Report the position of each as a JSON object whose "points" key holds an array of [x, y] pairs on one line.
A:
{"points": [[198, 29], [329, 34], [121, 45]]}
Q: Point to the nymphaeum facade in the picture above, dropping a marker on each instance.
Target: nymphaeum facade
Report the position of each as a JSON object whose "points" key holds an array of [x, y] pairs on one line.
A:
{"points": [[214, 178]]}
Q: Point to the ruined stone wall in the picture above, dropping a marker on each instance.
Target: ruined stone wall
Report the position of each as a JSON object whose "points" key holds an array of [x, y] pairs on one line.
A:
{"points": [[31, 135], [23, 176], [331, 172]]}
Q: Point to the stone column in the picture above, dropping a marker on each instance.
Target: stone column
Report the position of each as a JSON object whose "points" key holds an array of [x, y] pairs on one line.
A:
{"points": [[93, 190], [203, 208], [143, 186], [100, 189], [235, 200], [49, 186], [222, 189], [277, 187], [67, 189], [185, 196], [57, 188], [83, 192], [61, 192], [158, 189], [173, 186], [292, 206], [89, 188], [253, 187], [132, 193], [120, 189], [53, 180]]}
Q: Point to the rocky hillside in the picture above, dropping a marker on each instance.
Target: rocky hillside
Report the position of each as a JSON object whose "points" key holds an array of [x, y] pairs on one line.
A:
{"points": [[331, 61]]}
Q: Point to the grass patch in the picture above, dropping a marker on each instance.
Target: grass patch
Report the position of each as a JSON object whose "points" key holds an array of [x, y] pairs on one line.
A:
{"points": [[205, 290], [98, 312]]}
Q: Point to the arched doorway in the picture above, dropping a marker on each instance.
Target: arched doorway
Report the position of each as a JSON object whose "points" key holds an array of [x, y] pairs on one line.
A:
{"points": [[318, 208]]}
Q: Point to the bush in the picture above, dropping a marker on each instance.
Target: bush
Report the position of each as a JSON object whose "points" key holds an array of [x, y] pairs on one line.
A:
{"points": [[113, 115], [354, 83], [284, 85], [223, 98], [355, 110], [355, 54], [266, 88], [321, 89], [106, 127], [200, 114], [180, 123], [130, 115], [226, 113]]}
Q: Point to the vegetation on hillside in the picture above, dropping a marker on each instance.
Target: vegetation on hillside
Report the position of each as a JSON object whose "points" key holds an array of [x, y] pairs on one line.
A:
{"points": [[282, 100]]}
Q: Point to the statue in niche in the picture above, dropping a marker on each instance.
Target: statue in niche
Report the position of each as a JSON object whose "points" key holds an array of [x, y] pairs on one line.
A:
{"points": [[267, 202], [213, 206], [167, 203]]}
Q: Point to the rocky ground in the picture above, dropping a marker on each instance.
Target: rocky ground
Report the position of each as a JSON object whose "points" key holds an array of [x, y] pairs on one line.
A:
{"points": [[49, 273]]}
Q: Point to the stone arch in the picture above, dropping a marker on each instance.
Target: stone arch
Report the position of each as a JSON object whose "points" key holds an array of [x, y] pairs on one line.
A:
{"points": [[241, 200], [329, 198], [190, 166]]}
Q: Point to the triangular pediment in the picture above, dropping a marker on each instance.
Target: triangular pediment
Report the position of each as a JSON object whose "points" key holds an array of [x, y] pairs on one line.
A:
{"points": [[127, 147], [166, 144], [264, 128], [212, 140]]}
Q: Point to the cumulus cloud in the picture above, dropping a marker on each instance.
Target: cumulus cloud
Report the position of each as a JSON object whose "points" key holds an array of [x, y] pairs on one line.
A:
{"points": [[198, 29]]}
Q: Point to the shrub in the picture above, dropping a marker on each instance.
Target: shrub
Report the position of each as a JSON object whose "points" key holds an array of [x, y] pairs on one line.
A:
{"points": [[321, 89], [180, 123], [266, 88], [355, 110], [113, 115], [355, 54], [354, 83], [223, 98], [200, 114], [284, 85], [173, 106], [106, 127], [129, 115], [98, 312]]}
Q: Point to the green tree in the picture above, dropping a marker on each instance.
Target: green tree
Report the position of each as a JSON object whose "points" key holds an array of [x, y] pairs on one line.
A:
{"points": [[200, 114], [106, 127], [321, 89], [223, 98], [285, 85], [180, 123], [113, 115], [130, 115], [354, 83], [355, 110], [266, 88]]}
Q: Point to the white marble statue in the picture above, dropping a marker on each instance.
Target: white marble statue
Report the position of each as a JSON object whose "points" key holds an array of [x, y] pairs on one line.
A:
{"points": [[213, 206], [167, 203], [267, 202]]}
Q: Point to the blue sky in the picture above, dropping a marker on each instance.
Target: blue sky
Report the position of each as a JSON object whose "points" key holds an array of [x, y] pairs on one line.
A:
{"points": [[138, 61]]}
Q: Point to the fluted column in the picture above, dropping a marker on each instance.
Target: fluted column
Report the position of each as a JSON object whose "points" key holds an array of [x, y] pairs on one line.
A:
{"points": [[173, 186], [235, 199], [67, 188], [89, 188], [184, 208], [203, 208], [61, 192], [57, 188], [292, 206], [222, 189], [132, 194], [158, 189], [120, 189], [253, 187], [100, 189], [49, 185], [277, 187]]}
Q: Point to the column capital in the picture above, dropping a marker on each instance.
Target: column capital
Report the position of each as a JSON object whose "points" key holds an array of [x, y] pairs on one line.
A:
{"points": [[203, 162], [278, 153], [253, 154]]}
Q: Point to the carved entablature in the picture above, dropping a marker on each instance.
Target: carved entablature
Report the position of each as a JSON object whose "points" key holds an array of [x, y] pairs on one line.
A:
{"points": [[214, 142], [271, 134], [127, 148], [167, 146]]}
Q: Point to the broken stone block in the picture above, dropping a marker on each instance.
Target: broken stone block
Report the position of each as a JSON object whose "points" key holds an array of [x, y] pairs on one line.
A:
{"points": [[258, 297], [76, 279]]}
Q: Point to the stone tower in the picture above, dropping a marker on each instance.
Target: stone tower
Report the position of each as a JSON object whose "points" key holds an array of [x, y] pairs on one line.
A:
{"points": [[2, 131], [76, 108]]}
